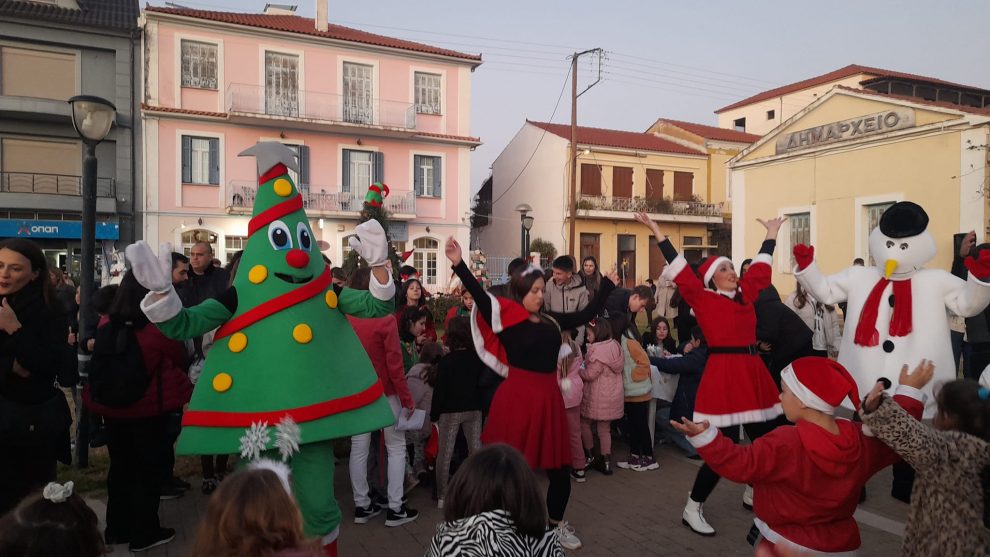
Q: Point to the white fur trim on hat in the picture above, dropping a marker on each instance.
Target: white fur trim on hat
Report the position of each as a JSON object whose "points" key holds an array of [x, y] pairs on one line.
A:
{"points": [[281, 470], [713, 267], [804, 394]]}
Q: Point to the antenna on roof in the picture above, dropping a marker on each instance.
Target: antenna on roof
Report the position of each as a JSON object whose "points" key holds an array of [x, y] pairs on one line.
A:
{"points": [[174, 5], [280, 9]]}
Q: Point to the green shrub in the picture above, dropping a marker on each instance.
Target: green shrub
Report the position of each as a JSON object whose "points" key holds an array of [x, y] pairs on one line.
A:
{"points": [[439, 305]]}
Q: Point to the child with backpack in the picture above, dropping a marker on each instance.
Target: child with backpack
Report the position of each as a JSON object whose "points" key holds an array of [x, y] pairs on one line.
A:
{"points": [[950, 503], [137, 377], [637, 387]]}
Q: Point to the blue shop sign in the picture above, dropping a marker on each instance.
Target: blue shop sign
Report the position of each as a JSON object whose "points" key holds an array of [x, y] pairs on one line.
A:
{"points": [[11, 228]]}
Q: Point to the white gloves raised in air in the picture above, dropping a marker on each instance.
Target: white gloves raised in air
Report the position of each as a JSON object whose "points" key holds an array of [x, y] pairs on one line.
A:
{"points": [[370, 242], [152, 272]]}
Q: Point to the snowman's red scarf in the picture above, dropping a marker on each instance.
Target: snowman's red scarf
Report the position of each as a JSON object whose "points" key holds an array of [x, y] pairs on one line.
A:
{"points": [[312, 288], [900, 322]]}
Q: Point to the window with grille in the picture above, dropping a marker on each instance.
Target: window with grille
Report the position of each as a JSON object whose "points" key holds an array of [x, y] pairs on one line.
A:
{"points": [[281, 84], [427, 93], [358, 93], [425, 259], [800, 233], [199, 65], [427, 175], [234, 244]]}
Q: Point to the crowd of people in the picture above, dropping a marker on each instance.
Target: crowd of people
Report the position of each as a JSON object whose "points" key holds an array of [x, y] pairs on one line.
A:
{"points": [[538, 375]]}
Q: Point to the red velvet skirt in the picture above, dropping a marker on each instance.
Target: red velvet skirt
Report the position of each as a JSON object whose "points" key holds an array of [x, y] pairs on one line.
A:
{"points": [[528, 414]]}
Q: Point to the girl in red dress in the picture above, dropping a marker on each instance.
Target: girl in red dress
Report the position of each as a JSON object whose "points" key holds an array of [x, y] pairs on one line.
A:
{"points": [[521, 343], [736, 388]]}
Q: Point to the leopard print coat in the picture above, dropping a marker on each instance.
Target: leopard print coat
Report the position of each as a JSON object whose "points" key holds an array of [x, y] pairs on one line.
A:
{"points": [[946, 515]]}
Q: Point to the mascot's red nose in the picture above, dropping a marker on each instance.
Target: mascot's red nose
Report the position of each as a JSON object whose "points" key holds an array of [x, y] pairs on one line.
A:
{"points": [[297, 258]]}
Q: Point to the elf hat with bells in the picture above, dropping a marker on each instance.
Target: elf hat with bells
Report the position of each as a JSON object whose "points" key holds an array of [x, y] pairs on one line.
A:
{"points": [[287, 355]]}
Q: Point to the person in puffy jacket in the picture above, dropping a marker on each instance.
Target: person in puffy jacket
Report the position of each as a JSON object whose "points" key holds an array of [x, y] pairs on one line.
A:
{"points": [[572, 389], [136, 434], [603, 394]]}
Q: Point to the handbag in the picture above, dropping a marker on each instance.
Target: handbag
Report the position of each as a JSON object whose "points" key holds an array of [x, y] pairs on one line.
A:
{"points": [[34, 425]]}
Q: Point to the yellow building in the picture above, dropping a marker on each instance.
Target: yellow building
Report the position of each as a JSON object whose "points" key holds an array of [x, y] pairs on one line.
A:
{"points": [[674, 172], [837, 164]]}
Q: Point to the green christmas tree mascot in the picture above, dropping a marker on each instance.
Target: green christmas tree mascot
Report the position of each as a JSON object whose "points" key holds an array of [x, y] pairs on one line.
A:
{"points": [[286, 373]]}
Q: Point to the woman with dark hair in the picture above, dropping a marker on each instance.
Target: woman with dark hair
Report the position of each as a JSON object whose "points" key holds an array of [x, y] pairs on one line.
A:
{"points": [[412, 324], [137, 432], [494, 509], [658, 335], [736, 388], [413, 295], [522, 343], [591, 275], [34, 415]]}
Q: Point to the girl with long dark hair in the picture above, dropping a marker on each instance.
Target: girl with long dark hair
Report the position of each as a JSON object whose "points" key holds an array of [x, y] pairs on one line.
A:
{"points": [[413, 295], [591, 275], [515, 338]]}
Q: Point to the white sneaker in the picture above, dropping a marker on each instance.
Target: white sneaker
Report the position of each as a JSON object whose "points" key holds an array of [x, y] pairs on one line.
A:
{"points": [[565, 533], [693, 518], [748, 497]]}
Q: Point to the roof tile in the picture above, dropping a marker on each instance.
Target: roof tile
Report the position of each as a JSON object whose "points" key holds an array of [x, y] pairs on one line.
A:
{"points": [[617, 138], [841, 73], [115, 14], [712, 132], [307, 26]]}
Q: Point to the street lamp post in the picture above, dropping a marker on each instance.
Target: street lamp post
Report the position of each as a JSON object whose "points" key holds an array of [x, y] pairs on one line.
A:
{"points": [[526, 222], [92, 118]]}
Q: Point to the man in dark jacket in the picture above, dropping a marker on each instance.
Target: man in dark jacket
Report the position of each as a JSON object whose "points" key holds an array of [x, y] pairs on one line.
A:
{"points": [[689, 368], [782, 331], [205, 280]]}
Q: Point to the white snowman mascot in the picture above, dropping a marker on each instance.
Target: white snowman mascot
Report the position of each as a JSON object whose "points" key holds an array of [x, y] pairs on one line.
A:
{"points": [[896, 309]]}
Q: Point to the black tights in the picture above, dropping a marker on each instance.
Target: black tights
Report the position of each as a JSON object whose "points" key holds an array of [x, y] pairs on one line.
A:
{"points": [[638, 424], [707, 479], [213, 468], [558, 492]]}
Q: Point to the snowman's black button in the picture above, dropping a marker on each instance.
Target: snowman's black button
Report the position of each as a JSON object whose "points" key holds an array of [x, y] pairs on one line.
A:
{"points": [[888, 346], [890, 300]]}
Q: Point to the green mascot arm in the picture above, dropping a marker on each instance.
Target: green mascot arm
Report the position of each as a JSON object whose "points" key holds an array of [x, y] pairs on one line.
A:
{"points": [[196, 321], [361, 303]]}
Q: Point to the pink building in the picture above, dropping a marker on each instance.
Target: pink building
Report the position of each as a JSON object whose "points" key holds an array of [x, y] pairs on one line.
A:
{"points": [[357, 107]]}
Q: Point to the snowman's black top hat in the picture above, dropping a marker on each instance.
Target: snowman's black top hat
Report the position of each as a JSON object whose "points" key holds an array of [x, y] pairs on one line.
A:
{"points": [[903, 220]]}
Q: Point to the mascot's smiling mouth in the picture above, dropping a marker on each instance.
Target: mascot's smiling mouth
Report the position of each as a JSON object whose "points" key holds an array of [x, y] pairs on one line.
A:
{"points": [[292, 279]]}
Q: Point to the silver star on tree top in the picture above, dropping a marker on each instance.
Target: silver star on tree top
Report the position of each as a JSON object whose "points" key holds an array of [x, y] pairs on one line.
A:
{"points": [[269, 153]]}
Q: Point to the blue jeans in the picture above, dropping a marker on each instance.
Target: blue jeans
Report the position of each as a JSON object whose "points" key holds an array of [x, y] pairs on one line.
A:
{"points": [[667, 432]]}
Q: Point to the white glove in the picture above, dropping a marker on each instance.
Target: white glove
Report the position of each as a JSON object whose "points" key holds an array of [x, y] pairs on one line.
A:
{"points": [[370, 242], [151, 272]]}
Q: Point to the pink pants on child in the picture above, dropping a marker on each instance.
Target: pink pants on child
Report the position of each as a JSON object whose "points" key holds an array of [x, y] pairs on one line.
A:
{"points": [[574, 430], [604, 435]]}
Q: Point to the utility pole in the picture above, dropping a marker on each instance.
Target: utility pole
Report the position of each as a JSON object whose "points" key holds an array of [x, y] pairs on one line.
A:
{"points": [[571, 247]]}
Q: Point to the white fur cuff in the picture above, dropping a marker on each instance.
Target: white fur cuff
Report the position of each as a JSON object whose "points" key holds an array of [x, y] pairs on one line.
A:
{"points": [[799, 272], [704, 438], [163, 309], [911, 392], [384, 292], [674, 268], [763, 258]]}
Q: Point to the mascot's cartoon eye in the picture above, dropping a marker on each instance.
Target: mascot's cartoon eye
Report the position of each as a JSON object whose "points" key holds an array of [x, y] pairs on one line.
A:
{"points": [[904, 245], [278, 235], [305, 241], [890, 244]]}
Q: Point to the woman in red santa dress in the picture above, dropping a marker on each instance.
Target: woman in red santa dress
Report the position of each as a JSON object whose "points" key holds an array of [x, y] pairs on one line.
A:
{"points": [[736, 388], [522, 343]]}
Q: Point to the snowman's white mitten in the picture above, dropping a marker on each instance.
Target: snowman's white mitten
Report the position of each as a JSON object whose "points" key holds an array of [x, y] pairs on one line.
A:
{"points": [[150, 271], [370, 242]]}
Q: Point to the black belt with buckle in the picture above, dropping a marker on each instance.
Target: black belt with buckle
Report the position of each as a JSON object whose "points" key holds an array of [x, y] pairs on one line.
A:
{"points": [[752, 349]]}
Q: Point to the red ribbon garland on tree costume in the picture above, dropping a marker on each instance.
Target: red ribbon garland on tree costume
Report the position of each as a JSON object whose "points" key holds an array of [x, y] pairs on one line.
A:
{"points": [[900, 323], [257, 313]]}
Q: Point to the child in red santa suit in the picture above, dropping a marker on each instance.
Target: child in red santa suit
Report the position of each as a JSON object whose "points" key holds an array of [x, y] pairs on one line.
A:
{"points": [[807, 477]]}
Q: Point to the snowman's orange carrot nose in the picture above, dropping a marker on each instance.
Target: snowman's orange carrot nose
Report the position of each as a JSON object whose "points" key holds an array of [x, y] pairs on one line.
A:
{"points": [[297, 258], [888, 268]]}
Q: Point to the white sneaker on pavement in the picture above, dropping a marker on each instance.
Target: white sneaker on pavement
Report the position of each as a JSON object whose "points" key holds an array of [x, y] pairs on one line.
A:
{"points": [[693, 518], [565, 533]]}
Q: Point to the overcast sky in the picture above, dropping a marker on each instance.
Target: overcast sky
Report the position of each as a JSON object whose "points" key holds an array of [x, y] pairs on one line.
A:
{"points": [[679, 60]]}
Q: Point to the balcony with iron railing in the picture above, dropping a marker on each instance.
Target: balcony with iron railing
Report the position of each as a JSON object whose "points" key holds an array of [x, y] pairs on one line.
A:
{"points": [[603, 206], [52, 184], [255, 101], [325, 201]]}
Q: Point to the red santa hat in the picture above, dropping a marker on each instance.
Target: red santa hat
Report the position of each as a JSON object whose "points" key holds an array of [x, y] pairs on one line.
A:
{"points": [[707, 269], [820, 383]]}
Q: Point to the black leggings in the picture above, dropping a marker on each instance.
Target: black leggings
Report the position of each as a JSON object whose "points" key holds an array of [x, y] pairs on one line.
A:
{"points": [[638, 422], [707, 479], [558, 492]]}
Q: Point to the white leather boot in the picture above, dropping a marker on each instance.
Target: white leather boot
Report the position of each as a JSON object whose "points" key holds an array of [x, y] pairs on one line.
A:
{"points": [[748, 497], [694, 519]]}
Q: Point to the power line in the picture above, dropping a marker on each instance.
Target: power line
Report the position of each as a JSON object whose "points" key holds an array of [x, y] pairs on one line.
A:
{"points": [[693, 67], [538, 143]]}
